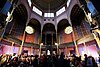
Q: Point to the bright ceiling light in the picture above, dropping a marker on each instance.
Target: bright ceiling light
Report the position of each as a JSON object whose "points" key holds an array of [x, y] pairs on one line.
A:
{"points": [[29, 30], [56, 44], [41, 43], [68, 30]]}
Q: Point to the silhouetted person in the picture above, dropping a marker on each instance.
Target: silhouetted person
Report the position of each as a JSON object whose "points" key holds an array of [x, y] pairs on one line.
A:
{"points": [[55, 59], [85, 60], [62, 61], [36, 61], [91, 62], [44, 61]]}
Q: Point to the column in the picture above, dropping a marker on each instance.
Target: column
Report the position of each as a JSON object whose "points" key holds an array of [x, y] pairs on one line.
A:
{"points": [[11, 48], [21, 46], [45, 40], [97, 39], [31, 50], [76, 47], [59, 38], [66, 51], [40, 49], [57, 48], [86, 48], [52, 45]]}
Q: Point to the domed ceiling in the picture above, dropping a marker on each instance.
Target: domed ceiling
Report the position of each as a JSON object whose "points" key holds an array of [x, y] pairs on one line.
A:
{"points": [[49, 4]]}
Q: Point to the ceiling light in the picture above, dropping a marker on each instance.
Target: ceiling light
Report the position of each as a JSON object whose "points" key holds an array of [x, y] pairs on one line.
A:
{"points": [[56, 44], [29, 30], [68, 30], [41, 43]]}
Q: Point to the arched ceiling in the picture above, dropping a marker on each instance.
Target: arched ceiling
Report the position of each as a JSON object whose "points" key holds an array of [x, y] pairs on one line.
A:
{"points": [[20, 13], [35, 24], [46, 4], [77, 15], [49, 27], [62, 25]]}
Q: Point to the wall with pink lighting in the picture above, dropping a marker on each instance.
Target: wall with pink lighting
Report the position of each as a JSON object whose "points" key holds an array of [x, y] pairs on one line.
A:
{"points": [[15, 49], [92, 50], [9, 49], [89, 50], [6, 49]]}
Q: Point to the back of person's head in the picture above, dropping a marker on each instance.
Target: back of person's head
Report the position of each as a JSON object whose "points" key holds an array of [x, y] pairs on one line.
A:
{"points": [[36, 56], [85, 55], [62, 55]]}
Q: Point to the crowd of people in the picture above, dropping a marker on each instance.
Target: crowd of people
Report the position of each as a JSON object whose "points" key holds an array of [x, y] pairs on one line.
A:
{"points": [[47, 61]]}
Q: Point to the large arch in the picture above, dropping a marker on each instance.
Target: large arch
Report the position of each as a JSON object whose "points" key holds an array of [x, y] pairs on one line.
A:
{"points": [[49, 27], [62, 25], [62, 37], [16, 27], [20, 13], [35, 24], [35, 36], [48, 34], [77, 15], [80, 25], [20, 17]]}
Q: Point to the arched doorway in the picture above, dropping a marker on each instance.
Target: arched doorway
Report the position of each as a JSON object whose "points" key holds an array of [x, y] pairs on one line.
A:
{"points": [[49, 37], [48, 34]]}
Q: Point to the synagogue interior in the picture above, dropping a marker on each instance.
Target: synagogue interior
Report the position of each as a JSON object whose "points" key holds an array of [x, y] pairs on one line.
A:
{"points": [[49, 28]]}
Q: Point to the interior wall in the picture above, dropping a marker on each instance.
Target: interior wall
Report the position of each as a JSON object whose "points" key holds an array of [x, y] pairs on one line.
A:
{"points": [[6, 49], [65, 38], [89, 48]]}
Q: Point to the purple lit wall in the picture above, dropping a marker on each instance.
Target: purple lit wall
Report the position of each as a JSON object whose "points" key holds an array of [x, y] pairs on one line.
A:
{"points": [[89, 50], [5, 49]]}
